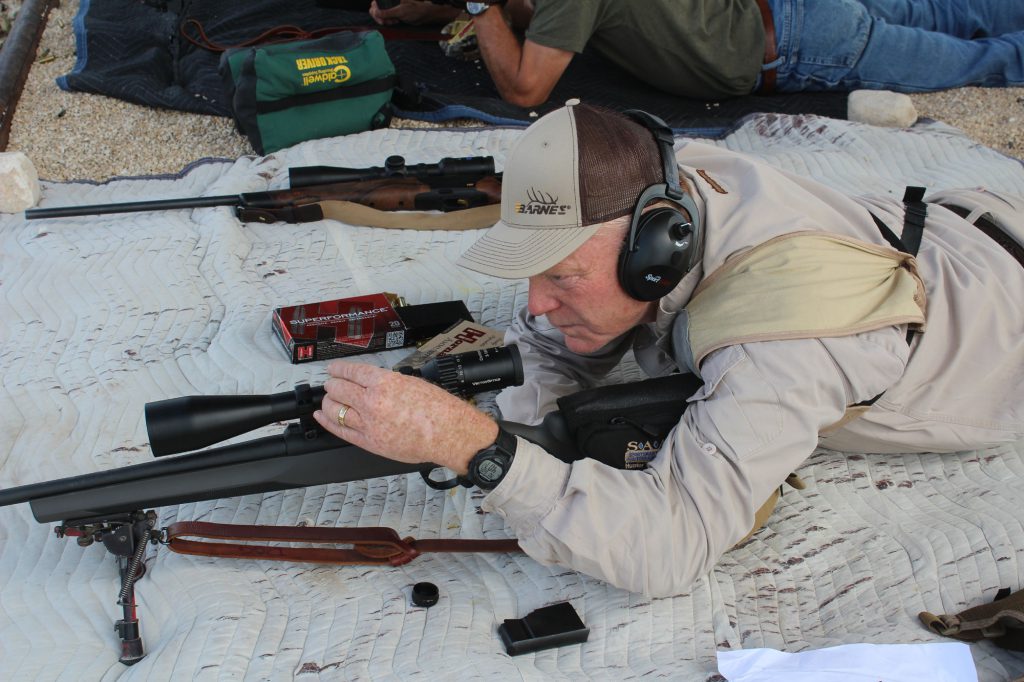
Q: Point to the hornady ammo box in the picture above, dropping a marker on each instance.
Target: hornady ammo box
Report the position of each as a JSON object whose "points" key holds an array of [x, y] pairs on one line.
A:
{"points": [[361, 324]]}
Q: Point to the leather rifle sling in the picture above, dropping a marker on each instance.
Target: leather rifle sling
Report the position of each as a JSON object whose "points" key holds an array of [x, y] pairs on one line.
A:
{"points": [[351, 213], [374, 546]]}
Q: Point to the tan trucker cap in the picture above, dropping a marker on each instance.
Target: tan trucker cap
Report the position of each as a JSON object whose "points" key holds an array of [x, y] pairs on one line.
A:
{"points": [[572, 170]]}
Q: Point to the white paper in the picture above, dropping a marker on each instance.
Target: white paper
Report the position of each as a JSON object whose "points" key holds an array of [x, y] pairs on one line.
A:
{"points": [[937, 662]]}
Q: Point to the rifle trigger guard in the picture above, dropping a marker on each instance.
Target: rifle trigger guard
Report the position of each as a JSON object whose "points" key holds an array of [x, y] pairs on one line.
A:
{"points": [[255, 215]]}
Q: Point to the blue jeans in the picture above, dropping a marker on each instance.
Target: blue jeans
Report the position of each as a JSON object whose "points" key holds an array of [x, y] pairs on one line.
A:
{"points": [[901, 45]]}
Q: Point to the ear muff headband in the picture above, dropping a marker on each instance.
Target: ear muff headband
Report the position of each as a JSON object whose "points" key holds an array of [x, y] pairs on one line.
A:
{"points": [[662, 244]]}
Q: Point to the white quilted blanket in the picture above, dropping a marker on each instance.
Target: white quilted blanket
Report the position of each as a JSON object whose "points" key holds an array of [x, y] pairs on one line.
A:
{"points": [[104, 314]]}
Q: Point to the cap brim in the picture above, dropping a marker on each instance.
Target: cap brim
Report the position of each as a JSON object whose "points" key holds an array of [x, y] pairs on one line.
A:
{"points": [[516, 252]]}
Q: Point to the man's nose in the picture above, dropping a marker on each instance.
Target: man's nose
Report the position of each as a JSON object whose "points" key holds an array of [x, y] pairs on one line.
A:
{"points": [[539, 300]]}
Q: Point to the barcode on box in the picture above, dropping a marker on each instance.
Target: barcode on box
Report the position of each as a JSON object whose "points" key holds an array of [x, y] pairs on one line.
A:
{"points": [[395, 339]]}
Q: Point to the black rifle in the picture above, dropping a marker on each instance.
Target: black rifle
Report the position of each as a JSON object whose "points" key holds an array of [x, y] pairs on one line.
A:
{"points": [[110, 506], [115, 507], [450, 185]]}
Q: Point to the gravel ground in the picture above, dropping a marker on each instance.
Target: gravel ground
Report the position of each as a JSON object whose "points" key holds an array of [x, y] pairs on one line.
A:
{"points": [[74, 136]]}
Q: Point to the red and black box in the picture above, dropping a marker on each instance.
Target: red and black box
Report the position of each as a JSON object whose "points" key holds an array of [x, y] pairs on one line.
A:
{"points": [[360, 324]]}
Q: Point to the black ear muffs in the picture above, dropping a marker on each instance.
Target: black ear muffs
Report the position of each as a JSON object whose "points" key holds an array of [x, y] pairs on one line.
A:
{"points": [[664, 243], [660, 255]]}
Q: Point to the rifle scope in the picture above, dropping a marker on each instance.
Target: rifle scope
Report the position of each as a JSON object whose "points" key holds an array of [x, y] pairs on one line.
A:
{"points": [[192, 422], [453, 170]]}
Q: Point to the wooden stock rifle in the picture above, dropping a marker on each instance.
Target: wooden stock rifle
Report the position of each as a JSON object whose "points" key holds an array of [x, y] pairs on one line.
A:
{"points": [[318, 192]]}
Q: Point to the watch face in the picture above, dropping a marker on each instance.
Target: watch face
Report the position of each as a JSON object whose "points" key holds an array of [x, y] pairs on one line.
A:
{"points": [[490, 470], [475, 8], [489, 466]]}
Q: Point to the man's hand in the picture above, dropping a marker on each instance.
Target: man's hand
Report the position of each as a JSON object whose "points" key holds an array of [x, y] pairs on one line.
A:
{"points": [[413, 12], [402, 418]]}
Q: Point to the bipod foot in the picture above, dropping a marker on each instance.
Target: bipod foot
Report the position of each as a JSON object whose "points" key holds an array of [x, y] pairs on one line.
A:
{"points": [[131, 642]]}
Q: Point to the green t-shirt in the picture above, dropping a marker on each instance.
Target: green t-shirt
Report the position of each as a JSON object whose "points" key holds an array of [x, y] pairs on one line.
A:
{"points": [[696, 48]]}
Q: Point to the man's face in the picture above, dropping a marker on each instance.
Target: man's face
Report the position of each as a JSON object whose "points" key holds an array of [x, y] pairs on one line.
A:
{"points": [[582, 297]]}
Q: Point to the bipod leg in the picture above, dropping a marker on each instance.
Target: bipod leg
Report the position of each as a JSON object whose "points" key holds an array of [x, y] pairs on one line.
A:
{"points": [[128, 627], [128, 543]]}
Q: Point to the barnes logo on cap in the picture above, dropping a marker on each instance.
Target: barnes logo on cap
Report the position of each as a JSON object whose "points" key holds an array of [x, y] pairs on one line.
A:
{"points": [[541, 203]]}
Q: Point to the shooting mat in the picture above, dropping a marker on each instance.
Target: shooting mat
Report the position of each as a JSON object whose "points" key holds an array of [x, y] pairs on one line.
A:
{"points": [[135, 51], [101, 315]]}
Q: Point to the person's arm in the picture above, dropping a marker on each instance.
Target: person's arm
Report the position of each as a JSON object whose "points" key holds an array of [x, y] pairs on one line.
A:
{"points": [[414, 12], [658, 530], [524, 73]]}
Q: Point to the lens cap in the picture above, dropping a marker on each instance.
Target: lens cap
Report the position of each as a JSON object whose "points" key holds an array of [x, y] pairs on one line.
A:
{"points": [[424, 594]]}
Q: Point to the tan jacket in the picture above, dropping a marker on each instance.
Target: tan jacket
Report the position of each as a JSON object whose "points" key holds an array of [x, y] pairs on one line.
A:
{"points": [[959, 386]]}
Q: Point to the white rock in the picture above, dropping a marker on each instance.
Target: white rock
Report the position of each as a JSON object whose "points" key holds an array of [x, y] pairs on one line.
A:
{"points": [[19, 182], [881, 108]]}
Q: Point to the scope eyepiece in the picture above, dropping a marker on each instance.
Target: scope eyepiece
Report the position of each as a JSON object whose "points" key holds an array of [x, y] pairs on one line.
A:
{"points": [[489, 369]]}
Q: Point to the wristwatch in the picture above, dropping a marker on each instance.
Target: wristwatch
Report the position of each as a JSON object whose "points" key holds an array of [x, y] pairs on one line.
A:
{"points": [[476, 8], [488, 467]]}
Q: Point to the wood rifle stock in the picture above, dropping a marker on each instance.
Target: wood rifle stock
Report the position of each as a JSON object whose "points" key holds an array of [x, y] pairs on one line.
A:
{"points": [[306, 204]]}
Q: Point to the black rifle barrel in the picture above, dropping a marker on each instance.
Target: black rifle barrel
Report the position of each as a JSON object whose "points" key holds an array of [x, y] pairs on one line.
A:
{"points": [[286, 460], [131, 207], [251, 451]]}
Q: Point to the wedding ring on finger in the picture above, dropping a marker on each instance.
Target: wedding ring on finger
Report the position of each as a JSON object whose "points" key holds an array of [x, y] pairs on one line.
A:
{"points": [[341, 415]]}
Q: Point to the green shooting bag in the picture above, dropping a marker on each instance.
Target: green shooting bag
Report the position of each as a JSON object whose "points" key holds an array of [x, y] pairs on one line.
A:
{"points": [[289, 92]]}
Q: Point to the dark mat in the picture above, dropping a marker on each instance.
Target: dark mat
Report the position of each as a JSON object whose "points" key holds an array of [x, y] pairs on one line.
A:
{"points": [[132, 50]]}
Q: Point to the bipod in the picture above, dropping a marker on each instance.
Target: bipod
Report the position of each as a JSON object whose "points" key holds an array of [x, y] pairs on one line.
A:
{"points": [[125, 536]]}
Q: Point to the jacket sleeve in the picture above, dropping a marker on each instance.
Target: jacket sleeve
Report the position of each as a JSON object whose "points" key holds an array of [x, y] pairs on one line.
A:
{"points": [[658, 530], [551, 369]]}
